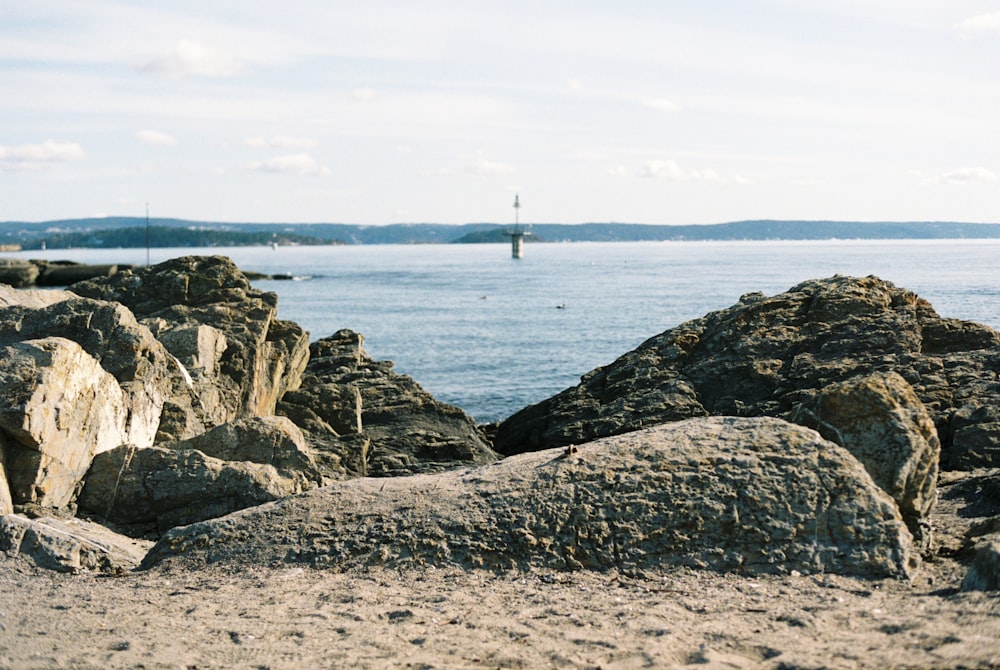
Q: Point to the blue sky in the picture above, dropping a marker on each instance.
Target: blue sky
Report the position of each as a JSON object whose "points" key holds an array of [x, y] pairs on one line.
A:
{"points": [[381, 112]]}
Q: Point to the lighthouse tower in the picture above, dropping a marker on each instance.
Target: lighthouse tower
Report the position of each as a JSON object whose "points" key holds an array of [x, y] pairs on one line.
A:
{"points": [[517, 235]]}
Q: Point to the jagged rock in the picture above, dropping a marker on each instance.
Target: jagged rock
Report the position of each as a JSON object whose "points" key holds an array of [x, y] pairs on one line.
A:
{"points": [[984, 571], [880, 420], [154, 489], [59, 410], [32, 298], [345, 392], [272, 440], [766, 355], [70, 545], [748, 495], [110, 334], [244, 363]]}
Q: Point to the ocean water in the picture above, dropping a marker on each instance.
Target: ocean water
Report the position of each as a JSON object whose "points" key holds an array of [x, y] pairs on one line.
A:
{"points": [[491, 334]]}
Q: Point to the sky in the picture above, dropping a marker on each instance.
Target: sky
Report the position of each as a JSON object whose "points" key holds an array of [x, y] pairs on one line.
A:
{"points": [[376, 112]]}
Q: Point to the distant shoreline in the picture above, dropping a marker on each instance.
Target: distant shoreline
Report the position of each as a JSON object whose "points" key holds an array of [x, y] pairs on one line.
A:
{"points": [[133, 233]]}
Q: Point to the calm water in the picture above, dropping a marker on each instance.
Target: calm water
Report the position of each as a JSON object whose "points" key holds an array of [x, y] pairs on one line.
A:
{"points": [[492, 335]]}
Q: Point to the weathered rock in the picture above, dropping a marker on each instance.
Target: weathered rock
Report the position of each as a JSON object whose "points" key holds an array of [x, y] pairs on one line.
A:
{"points": [[6, 502], [154, 489], [243, 363], [984, 571], [880, 420], [747, 495], [17, 273], [70, 545], [271, 440], [110, 334], [766, 355], [345, 392], [64, 273], [975, 436], [60, 409], [32, 298]]}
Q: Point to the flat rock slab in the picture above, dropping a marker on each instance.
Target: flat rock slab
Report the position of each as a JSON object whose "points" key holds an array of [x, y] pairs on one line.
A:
{"points": [[69, 545], [731, 494]]}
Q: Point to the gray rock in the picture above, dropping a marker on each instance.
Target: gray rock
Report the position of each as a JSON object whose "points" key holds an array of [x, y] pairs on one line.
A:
{"points": [[110, 334], [767, 355], [271, 440], [880, 420], [346, 393], [69, 545], [152, 490], [59, 410], [17, 273], [747, 495], [984, 571], [32, 298], [243, 365]]}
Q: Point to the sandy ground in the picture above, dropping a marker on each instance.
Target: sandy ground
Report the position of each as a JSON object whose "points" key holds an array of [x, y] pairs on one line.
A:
{"points": [[290, 617]]}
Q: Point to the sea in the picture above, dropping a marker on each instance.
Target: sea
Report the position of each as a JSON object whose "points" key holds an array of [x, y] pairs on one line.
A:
{"points": [[492, 334]]}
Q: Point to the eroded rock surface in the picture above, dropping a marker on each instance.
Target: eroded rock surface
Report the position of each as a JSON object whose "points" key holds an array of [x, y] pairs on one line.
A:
{"points": [[375, 420], [767, 355], [70, 545], [748, 495]]}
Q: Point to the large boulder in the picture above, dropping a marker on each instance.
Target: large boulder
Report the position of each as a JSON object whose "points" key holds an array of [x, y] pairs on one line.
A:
{"points": [[730, 494], [110, 334], [765, 356], [880, 420], [59, 410], [227, 468], [70, 545], [206, 313], [349, 401]]}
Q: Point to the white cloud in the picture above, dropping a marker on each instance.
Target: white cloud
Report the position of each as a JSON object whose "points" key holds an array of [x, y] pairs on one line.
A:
{"points": [[156, 138], [281, 142], [364, 94], [618, 171], [662, 105], [978, 25], [973, 175], [484, 167], [657, 169], [190, 58], [35, 156], [294, 164]]}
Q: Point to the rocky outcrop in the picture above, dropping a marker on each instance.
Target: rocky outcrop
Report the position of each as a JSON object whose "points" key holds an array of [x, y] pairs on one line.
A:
{"points": [[765, 356], [984, 571], [880, 420], [730, 494], [350, 402], [70, 545], [205, 312], [60, 410], [148, 491]]}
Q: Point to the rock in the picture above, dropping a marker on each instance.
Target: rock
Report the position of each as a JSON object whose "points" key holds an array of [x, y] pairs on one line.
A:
{"points": [[59, 409], [984, 572], [765, 356], [155, 489], [975, 436], [6, 502], [32, 298], [880, 420], [110, 334], [271, 440], [747, 495], [17, 273], [70, 545], [245, 359], [345, 392]]}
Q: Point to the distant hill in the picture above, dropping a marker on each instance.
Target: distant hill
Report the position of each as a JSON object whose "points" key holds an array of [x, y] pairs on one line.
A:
{"points": [[115, 232]]}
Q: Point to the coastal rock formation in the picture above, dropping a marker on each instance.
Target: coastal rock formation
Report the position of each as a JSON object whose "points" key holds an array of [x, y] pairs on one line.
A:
{"points": [[69, 545], [400, 428], [880, 420], [729, 494], [60, 409], [765, 356], [245, 359], [147, 491]]}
